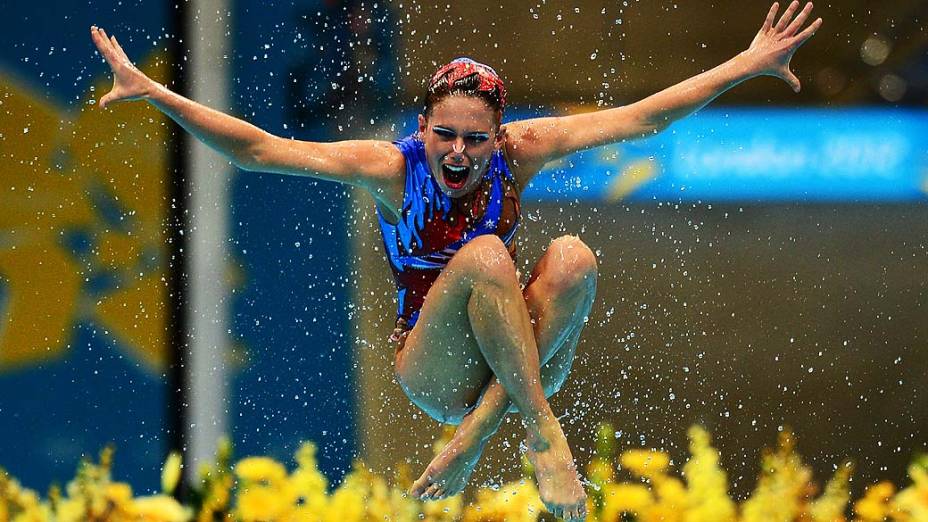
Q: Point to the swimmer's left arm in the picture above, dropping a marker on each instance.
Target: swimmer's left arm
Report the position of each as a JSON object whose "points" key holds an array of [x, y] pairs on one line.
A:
{"points": [[532, 143]]}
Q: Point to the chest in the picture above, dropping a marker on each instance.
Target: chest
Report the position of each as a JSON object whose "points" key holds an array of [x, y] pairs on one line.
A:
{"points": [[467, 219]]}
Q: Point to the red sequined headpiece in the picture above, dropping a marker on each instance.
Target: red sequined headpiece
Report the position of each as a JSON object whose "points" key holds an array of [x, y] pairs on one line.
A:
{"points": [[462, 68]]}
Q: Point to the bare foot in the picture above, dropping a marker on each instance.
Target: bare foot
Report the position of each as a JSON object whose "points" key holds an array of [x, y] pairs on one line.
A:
{"points": [[558, 482], [450, 470]]}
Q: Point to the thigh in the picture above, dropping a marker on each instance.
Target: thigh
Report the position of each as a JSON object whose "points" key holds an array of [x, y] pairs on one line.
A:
{"points": [[560, 294], [441, 367]]}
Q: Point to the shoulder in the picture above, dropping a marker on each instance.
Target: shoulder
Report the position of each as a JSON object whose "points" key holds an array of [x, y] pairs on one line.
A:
{"points": [[385, 154], [377, 166], [377, 163], [412, 150], [524, 149], [409, 145]]}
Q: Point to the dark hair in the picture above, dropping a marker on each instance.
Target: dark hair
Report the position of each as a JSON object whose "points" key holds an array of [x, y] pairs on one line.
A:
{"points": [[465, 77]]}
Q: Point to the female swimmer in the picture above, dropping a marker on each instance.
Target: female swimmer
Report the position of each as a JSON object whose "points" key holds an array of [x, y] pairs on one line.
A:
{"points": [[471, 344]]}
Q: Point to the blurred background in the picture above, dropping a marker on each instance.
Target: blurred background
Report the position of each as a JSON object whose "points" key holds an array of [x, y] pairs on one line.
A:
{"points": [[763, 264]]}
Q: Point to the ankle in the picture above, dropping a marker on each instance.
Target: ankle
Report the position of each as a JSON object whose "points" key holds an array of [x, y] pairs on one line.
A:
{"points": [[540, 421], [478, 428], [537, 439]]}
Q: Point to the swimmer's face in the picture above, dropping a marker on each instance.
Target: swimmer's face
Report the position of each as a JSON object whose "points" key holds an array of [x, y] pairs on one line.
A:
{"points": [[460, 136]]}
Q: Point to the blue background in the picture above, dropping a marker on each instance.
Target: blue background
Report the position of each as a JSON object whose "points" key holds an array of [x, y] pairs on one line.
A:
{"points": [[54, 413], [761, 155]]}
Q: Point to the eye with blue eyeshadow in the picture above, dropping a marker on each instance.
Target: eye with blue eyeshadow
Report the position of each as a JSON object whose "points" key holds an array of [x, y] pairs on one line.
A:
{"points": [[474, 137], [443, 132]]}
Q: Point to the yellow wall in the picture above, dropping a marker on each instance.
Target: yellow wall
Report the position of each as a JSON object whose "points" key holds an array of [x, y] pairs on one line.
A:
{"points": [[100, 175]]}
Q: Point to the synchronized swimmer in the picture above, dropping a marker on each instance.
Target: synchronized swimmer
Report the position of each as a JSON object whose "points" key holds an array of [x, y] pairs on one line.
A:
{"points": [[472, 344]]}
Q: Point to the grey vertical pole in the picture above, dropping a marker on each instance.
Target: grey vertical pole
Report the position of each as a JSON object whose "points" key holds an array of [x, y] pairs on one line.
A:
{"points": [[207, 35]]}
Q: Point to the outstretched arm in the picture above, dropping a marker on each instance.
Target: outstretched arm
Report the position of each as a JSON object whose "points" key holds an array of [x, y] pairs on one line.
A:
{"points": [[369, 164], [532, 143]]}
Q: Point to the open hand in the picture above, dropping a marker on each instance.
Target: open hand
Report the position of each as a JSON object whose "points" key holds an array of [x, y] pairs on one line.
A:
{"points": [[129, 83], [774, 45]]}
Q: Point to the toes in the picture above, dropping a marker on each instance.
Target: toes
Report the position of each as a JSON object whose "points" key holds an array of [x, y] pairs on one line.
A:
{"points": [[420, 486], [578, 513], [431, 492], [569, 513], [417, 488]]}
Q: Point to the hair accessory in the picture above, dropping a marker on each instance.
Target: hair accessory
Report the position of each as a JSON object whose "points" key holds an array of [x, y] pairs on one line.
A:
{"points": [[462, 68]]}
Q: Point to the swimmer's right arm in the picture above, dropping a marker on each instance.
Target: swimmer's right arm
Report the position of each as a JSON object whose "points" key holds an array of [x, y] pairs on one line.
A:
{"points": [[368, 164]]}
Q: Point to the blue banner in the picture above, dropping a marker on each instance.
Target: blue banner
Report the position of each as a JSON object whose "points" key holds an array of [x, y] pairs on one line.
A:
{"points": [[754, 155]]}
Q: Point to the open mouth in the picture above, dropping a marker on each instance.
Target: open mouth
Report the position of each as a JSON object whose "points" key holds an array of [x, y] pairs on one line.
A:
{"points": [[455, 176]]}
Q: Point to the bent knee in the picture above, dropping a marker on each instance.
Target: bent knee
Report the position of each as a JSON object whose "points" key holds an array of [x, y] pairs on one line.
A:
{"points": [[486, 258], [574, 263]]}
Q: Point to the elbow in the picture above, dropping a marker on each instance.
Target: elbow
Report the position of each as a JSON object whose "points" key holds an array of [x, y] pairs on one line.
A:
{"points": [[649, 119], [254, 156], [655, 124], [246, 163]]}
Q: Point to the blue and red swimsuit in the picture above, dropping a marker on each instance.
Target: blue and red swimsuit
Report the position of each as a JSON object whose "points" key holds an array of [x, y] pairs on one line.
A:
{"points": [[431, 229]]}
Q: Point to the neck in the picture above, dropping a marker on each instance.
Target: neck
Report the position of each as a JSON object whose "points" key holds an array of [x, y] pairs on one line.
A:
{"points": [[465, 202]]}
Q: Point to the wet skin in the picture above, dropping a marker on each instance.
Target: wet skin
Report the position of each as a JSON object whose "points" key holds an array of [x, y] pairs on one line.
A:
{"points": [[460, 131], [477, 324], [478, 333], [558, 297]]}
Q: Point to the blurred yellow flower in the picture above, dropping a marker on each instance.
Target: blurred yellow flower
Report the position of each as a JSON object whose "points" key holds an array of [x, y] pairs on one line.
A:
{"points": [[170, 473], [260, 503], [645, 463], [662, 513], [830, 507], [444, 510], [260, 469], [309, 484], [600, 471], [782, 489], [119, 493], [671, 494], [266, 493], [346, 504], [625, 498], [159, 508], [70, 510], [706, 482], [216, 497], [407, 508], [874, 506], [25, 504], [513, 502], [912, 502]]}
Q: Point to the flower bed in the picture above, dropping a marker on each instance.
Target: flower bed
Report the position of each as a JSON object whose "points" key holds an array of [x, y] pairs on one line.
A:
{"points": [[261, 489]]}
